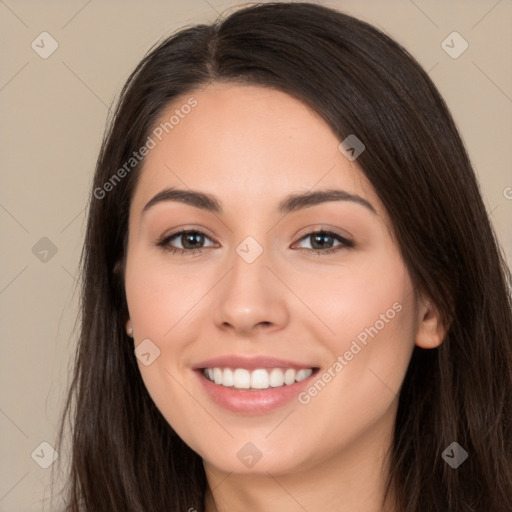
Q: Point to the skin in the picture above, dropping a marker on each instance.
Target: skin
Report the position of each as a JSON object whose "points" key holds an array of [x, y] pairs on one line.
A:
{"points": [[250, 147]]}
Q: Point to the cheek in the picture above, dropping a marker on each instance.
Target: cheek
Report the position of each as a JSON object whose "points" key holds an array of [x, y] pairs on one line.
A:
{"points": [[161, 306], [371, 314], [368, 300], [160, 297]]}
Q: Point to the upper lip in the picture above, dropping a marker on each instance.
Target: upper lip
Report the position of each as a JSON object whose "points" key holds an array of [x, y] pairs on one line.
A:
{"points": [[249, 363]]}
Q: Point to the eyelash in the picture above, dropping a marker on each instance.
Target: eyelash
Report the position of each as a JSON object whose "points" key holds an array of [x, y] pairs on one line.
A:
{"points": [[164, 243]]}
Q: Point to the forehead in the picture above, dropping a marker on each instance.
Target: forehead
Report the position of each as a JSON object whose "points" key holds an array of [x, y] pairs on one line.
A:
{"points": [[248, 144]]}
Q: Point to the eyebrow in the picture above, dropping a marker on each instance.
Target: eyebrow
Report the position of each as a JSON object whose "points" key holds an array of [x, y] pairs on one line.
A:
{"points": [[289, 204]]}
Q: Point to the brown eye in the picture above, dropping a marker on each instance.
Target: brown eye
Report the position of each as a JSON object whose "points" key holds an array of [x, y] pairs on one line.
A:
{"points": [[324, 242], [191, 241]]}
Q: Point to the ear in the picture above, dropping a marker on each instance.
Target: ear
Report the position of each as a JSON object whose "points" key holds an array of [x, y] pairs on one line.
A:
{"points": [[129, 328], [431, 331]]}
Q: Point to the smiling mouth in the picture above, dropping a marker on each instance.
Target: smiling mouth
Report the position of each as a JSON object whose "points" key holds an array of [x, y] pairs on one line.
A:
{"points": [[258, 379]]}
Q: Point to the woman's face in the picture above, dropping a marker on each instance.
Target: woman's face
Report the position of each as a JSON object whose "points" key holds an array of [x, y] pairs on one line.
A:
{"points": [[263, 302]]}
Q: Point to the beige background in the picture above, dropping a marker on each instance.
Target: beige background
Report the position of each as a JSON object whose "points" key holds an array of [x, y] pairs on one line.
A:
{"points": [[52, 118]]}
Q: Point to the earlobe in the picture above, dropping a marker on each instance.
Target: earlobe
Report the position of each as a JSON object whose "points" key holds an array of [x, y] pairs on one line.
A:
{"points": [[431, 331], [129, 328]]}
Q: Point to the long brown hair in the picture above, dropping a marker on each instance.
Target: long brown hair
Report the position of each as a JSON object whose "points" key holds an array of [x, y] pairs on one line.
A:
{"points": [[125, 456]]}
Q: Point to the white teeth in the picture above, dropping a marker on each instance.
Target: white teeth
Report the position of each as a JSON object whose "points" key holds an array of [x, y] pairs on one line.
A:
{"points": [[276, 378], [289, 376], [303, 374], [259, 379], [241, 379], [262, 378], [217, 375], [228, 378]]}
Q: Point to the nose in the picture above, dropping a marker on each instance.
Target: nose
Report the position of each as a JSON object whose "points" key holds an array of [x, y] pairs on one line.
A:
{"points": [[250, 298]]}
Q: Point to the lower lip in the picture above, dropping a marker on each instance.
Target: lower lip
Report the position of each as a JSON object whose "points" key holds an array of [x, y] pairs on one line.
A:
{"points": [[252, 402]]}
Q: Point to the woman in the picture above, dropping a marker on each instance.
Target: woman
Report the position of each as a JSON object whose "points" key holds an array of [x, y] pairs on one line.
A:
{"points": [[293, 298]]}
